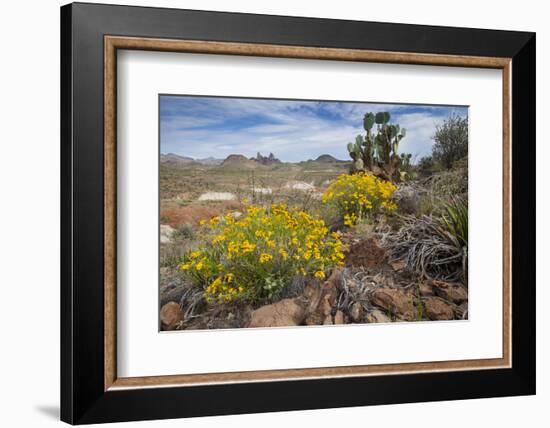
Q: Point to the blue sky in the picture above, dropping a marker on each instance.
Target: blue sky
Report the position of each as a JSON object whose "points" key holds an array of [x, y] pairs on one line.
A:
{"points": [[201, 127]]}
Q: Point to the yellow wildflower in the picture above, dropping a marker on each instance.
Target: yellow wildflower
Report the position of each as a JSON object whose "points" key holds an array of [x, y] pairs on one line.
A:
{"points": [[247, 247], [320, 274], [186, 266], [264, 257]]}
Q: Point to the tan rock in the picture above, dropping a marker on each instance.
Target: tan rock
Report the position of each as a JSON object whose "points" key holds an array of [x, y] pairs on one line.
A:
{"points": [[395, 301], [455, 293], [322, 298], [425, 289], [335, 279], [171, 316], [328, 320], [166, 232], [377, 316], [436, 308], [357, 312], [287, 312], [338, 318]]}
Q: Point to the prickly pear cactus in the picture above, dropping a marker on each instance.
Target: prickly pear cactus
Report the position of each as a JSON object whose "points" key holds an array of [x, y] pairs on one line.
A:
{"points": [[378, 149]]}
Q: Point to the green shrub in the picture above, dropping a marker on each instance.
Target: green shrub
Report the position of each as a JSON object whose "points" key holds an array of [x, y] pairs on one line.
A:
{"points": [[255, 257], [451, 141]]}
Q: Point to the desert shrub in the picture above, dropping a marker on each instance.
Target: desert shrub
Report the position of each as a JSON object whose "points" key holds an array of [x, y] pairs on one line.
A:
{"points": [[449, 184], [407, 171], [185, 231], [256, 256], [435, 247], [426, 165], [451, 141], [182, 241], [359, 196], [426, 204]]}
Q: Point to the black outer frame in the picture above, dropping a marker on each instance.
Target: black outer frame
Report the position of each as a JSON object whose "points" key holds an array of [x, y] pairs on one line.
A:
{"points": [[83, 399]]}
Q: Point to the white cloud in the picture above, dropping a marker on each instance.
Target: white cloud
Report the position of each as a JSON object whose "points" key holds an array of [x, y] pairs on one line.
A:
{"points": [[292, 130]]}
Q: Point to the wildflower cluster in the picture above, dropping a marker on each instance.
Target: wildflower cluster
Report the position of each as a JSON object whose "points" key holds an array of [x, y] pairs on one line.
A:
{"points": [[360, 195], [255, 256]]}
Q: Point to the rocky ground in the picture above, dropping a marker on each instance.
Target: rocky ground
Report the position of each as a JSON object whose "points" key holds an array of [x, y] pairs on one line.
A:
{"points": [[370, 288]]}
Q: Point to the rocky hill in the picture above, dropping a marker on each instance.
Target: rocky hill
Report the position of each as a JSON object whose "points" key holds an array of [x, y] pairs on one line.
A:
{"points": [[266, 160], [238, 161], [173, 159], [327, 159], [210, 161]]}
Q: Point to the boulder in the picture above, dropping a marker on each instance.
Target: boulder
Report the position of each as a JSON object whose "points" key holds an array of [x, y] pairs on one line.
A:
{"points": [[338, 318], [287, 312], [407, 200], [395, 301], [171, 316], [166, 232], [172, 286], [436, 308], [452, 292], [377, 316], [425, 289], [322, 297]]}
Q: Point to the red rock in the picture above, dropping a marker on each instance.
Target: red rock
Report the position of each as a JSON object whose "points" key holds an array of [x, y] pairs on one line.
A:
{"points": [[287, 312], [322, 297], [171, 316], [395, 301], [377, 316], [437, 309], [455, 293], [339, 318]]}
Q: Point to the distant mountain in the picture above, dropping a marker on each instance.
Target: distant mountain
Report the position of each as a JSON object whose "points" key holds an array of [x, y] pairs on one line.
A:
{"points": [[236, 160], [266, 160], [209, 161], [239, 161], [175, 160], [327, 159]]}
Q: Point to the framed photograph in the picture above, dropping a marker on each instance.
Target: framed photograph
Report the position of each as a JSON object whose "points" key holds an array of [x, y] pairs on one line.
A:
{"points": [[266, 213]]}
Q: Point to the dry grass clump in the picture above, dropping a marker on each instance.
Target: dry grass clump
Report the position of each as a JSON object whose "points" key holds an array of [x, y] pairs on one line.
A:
{"points": [[435, 247]]}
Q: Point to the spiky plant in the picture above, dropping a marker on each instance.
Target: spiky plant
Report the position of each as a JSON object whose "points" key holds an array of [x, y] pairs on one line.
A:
{"points": [[435, 247], [454, 223]]}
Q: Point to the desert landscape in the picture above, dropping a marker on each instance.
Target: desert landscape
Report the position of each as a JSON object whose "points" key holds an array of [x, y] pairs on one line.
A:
{"points": [[379, 237]]}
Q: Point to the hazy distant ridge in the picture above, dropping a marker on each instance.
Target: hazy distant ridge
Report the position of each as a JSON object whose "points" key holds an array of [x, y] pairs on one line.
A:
{"points": [[173, 159]]}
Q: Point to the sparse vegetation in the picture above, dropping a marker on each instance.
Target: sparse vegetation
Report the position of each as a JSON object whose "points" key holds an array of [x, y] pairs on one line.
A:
{"points": [[451, 141], [256, 256], [340, 241], [423, 244]]}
